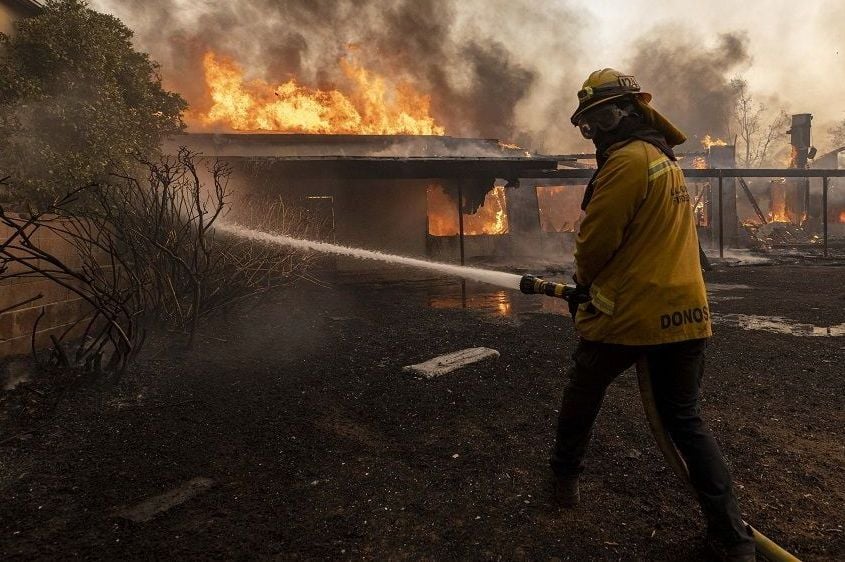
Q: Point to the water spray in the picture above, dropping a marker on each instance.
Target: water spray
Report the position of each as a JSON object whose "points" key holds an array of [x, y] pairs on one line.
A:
{"points": [[528, 284]]}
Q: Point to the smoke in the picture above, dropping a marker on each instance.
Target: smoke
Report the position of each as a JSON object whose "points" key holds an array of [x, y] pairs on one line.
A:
{"points": [[479, 60], [691, 82], [505, 69]]}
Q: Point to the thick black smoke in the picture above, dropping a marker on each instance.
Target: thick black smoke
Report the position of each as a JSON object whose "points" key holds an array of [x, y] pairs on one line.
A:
{"points": [[691, 83], [481, 99], [506, 69], [475, 75]]}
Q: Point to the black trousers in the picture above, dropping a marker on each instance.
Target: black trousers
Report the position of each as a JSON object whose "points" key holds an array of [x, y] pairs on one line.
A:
{"points": [[676, 370]]}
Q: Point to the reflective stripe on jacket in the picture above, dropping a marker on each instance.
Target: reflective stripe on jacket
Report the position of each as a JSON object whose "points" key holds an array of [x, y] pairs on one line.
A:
{"points": [[637, 248]]}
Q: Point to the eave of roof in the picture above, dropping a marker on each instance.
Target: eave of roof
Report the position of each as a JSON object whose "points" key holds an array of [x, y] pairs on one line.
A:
{"points": [[361, 168]]}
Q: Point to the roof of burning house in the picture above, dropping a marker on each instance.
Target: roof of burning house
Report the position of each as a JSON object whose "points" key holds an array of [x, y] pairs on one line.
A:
{"points": [[416, 167], [369, 156], [309, 145]]}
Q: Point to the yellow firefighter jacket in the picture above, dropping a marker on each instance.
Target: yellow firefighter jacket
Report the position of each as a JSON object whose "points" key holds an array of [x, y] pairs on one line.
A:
{"points": [[637, 248]]}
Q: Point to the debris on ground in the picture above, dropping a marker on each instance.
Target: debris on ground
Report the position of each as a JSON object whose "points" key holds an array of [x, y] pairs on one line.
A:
{"points": [[444, 364]]}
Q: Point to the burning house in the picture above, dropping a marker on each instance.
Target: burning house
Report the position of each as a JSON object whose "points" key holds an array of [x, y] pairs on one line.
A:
{"points": [[375, 169], [400, 193], [395, 193]]}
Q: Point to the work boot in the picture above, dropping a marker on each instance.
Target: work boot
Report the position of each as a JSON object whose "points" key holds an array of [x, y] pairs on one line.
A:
{"points": [[565, 491], [738, 552]]}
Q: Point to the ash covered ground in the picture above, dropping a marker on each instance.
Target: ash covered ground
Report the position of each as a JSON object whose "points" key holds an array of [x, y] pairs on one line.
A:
{"points": [[318, 446]]}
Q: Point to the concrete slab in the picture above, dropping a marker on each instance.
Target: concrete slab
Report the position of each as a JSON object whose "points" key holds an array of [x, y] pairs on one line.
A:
{"points": [[444, 364]]}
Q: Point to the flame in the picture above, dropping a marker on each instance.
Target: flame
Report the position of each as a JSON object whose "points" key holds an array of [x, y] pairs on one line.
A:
{"points": [[842, 217], [699, 205], [560, 208], [709, 141], [506, 146], [374, 105], [777, 204], [788, 159], [699, 163], [491, 217], [499, 223]]}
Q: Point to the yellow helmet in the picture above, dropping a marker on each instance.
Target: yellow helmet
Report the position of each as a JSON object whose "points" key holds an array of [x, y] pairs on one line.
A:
{"points": [[605, 85]]}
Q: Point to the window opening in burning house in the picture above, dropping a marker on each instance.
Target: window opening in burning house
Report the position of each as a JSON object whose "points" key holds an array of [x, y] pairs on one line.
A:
{"points": [[491, 218], [560, 207]]}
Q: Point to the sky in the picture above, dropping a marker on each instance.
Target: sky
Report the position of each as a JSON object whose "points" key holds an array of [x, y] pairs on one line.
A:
{"points": [[797, 48]]}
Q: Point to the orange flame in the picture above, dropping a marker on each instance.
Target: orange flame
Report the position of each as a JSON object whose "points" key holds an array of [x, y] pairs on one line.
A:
{"points": [[373, 106], [699, 162], [709, 141], [777, 205], [560, 208], [491, 217], [514, 147], [842, 217]]}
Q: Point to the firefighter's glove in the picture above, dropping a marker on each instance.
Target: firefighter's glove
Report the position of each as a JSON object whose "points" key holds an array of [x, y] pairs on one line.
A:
{"points": [[575, 296]]}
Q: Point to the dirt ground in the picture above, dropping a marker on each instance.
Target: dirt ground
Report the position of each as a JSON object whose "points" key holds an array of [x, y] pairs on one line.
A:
{"points": [[318, 446]]}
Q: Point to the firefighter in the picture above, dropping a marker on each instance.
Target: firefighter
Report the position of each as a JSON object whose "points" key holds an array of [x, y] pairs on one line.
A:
{"points": [[637, 255]]}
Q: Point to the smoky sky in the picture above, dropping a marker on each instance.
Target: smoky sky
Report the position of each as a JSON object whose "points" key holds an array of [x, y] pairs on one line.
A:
{"points": [[475, 80], [505, 69], [691, 81]]}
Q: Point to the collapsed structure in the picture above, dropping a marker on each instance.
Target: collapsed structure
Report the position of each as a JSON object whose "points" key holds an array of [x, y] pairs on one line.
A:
{"points": [[400, 193]]}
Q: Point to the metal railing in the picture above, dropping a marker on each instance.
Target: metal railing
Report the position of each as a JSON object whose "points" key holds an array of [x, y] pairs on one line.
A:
{"points": [[720, 175]]}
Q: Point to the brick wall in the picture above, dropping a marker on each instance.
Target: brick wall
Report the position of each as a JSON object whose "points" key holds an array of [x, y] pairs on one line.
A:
{"points": [[61, 306]]}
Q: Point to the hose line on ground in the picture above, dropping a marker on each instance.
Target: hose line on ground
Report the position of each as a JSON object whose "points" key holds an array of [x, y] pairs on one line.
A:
{"points": [[531, 284], [765, 546]]}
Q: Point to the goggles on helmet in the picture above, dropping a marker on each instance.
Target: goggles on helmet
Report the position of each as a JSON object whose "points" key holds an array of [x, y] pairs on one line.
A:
{"points": [[623, 85], [603, 118]]}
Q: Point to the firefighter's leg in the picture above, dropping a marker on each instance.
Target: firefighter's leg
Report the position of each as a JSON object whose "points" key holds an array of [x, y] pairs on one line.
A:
{"points": [[676, 371], [595, 365]]}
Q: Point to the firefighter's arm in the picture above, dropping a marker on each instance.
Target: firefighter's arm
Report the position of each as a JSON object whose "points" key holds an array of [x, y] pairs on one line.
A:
{"points": [[620, 188]]}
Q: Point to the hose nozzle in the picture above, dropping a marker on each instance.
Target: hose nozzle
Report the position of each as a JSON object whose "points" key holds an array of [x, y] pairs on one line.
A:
{"points": [[533, 285]]}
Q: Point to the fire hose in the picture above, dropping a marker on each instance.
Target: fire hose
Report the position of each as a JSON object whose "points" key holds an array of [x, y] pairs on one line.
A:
{"points": [[534, 285]]}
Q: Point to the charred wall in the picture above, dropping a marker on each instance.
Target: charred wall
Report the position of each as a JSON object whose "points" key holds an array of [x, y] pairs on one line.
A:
{"points": [[386, 215]]}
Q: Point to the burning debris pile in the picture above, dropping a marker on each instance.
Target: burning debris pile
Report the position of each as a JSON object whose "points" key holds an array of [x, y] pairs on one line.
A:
{"points": [[792, 218], [783, 208], [779, 234]]}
